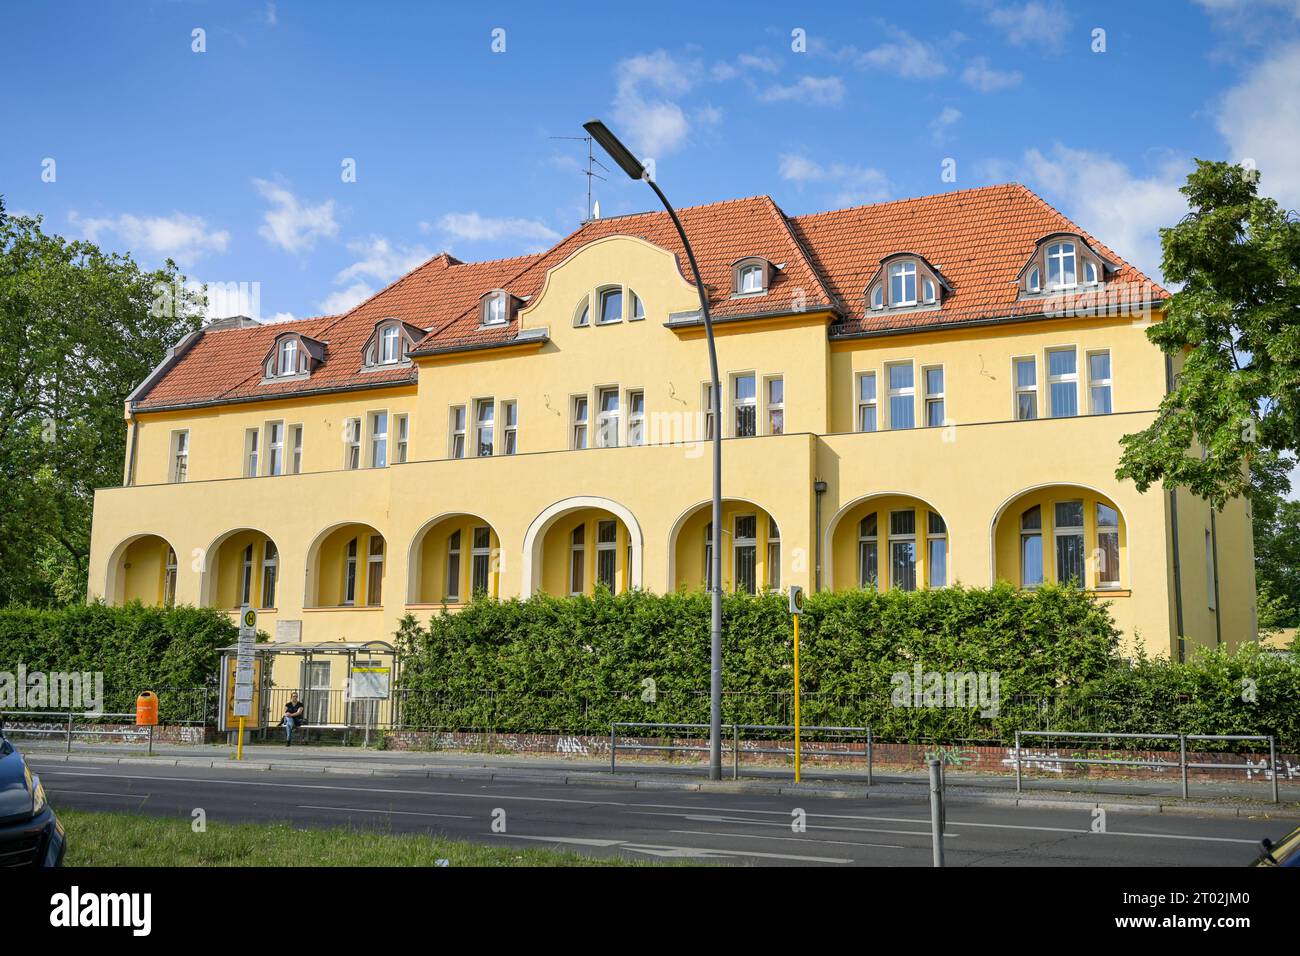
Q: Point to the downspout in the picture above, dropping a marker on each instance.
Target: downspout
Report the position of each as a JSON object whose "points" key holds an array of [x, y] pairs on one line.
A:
{"points": [[1173, 517], [1214, 555], [819, 487], [130, 454]]}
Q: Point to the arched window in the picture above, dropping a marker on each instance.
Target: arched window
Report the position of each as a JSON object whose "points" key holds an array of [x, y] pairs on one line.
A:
{"points": [[1034, 282], [902, 283], [1061, 266], [288, 363], [1031, 547], [927, 291], [878, 297], [582, 314], [1090, 272], [390, 349], [868, 552], [611, 306], [638, 307]]}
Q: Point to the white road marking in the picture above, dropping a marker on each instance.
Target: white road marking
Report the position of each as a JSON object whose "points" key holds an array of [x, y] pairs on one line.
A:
{"points": [[616, 803], [763, 836], [709, 818], [664, 850], [408, 813]]}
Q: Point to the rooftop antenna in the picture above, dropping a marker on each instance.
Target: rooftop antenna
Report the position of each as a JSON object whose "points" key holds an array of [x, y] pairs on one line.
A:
{"points": [[590, 173]]}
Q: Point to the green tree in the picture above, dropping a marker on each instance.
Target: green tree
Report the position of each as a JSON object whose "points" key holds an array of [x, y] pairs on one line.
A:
{"points": [[1236, 322], [79, 329]]}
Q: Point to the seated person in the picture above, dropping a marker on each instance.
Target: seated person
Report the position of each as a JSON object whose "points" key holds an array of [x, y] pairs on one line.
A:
{"points": [[293, 714]]}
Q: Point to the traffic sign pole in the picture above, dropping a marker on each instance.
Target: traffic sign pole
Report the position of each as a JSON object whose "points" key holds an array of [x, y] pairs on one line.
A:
{"points": [[796, 608], [244, 671]]}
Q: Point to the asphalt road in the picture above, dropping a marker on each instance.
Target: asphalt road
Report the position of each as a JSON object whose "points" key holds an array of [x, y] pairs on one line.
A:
{"points": [[752, 829]]}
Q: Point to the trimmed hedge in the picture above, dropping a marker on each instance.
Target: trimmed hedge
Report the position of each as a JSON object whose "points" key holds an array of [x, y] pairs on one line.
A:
{"points": [[573, 664], [135, 647]]}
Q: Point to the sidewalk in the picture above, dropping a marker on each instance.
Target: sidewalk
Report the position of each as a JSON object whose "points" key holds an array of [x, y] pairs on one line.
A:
{"points": [[1147, 796]]}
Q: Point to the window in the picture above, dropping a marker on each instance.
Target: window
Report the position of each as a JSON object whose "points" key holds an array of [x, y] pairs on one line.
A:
{"points": [[1031, 547], [580, 421], [751, 279], [510, 434], [577, 559], [352, 443], [246, 582], [902, 549], [169, 579], [607, 418], [402, 425], [878, 296], [494, 310], [868, 555], [275, 448], [638, 307], [288, 359], [746, 406], [636, 417], [375, 572], [1068, 532], [708, 556], [251, 436], [1034, 281], [453, 568], [481, 562], [902, 392], [1211, 579], [1026, 371], [708, 411], [773, 555], [295, 444], [867, 402], [350, 574], [611, 306], [927, 291], [484, 424], [1107, 546], [582, 315], [745, 554], [379, 439], [902, 283], [1061, 266], [1099, 383], [606, 554], [1063, 382], [390, 349], [270, 564], [1089, 272], [458, 431], [776, 406], [180, 455], [933, 397], [936, 543]]}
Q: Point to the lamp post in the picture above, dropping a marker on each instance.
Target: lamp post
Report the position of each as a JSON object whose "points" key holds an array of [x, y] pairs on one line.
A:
{"points": [[636, 170]]}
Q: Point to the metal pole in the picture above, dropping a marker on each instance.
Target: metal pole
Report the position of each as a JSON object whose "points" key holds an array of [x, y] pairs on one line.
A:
{"points": [[869, 756], [613, 748], [735, 751], [797, 761], [1182, 761], [1017, 761], [1272, 764], [936, 810], [69, 731], [715, 625]]}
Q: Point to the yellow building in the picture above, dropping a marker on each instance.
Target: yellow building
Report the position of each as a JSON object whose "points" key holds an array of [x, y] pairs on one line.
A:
{"points": [[914, 394]]}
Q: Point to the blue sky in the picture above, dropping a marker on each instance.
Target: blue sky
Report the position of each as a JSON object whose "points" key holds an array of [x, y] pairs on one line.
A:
{"points": [[230, 160]]}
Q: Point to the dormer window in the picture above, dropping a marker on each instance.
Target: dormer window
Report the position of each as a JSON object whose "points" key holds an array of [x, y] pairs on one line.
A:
{"points": [[390, 345], [288, 361], [905, 280], [495, 310], [902, 283], [751, 275], [1061, 271]]}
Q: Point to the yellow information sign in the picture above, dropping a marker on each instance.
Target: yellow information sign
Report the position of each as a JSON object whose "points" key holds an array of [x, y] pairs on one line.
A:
{"points": [[254, 719]]}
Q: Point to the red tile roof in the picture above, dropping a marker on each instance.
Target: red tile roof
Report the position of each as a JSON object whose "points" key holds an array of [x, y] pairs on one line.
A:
{"points": [[978, 238]]}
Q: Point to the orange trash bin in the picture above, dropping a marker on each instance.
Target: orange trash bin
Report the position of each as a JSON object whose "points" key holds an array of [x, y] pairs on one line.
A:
{"points": [[146, 709]]}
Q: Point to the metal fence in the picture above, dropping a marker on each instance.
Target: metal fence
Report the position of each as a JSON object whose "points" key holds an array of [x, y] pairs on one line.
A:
{"points": [[65, 724], [1181, 764], [764, 733]]}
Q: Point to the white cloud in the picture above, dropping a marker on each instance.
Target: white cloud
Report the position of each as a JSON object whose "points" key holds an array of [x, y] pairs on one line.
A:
{"points": [[269, 16], [345, 299], [381, 260], [1260, 120], [1034, 24], [761, 62], [472, 227], [980, 76], [1125, 211], [181, 237], [809, 90], [281, 317], [905, 56], [653, 124], [291, 224], [853, 184], [940, 125]]}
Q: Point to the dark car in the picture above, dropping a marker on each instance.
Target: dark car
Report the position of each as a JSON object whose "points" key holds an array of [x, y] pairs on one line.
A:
{"points": [[30, 834], [1285, 852]]}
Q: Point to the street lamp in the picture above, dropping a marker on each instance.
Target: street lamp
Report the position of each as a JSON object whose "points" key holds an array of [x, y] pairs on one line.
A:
{"points": [[636, 170]]}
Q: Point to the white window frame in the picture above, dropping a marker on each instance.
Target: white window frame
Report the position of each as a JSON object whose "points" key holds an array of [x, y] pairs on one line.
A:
{"points": [[274, 457], [746, 272], [1061, 252], [710, 412], [738, 404], [607, 547], [495, 312], [932, 398], [905, 272], [453, 570], [773, 563], [456, 420], [378, 424], [476, 552], [402, 438], [510, 427], [1107, 383], [608, 422], [893, 538], [907, 391], [287, 353], [351, 444], [295, 449], [932, 536], [582, 314], [248, 565], [1104, 584], [868, 539], [1017, 389], [1026, 533], [485, 425], [1034, 279], [636, 416], [737, 543], [877, 295], [578, 550], [1069, 378], [774, 406], [375, 579], [601, 295], [270, 563], [180, 455], [252, 456], [387, 333], [580, 412], [1079, 531], [862, 404], [350, 573]]}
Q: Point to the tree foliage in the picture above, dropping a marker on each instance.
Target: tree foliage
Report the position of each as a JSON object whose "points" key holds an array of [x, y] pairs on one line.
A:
{"points": [[78, 332], [1236, 323]]}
